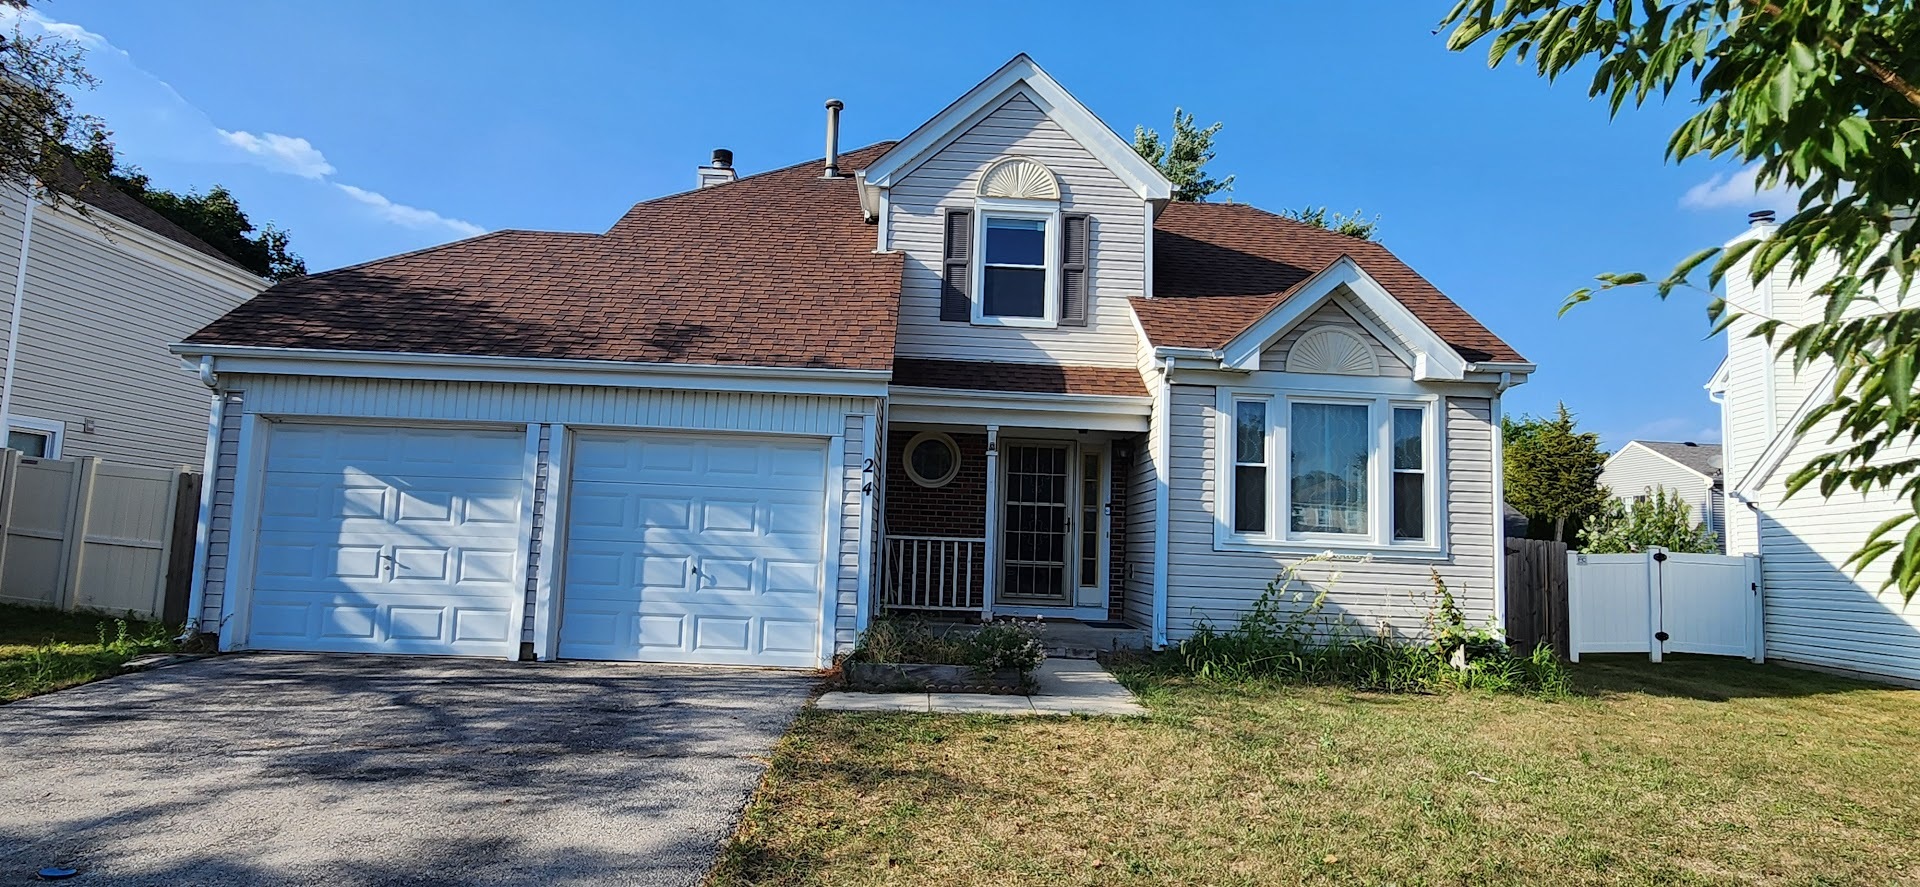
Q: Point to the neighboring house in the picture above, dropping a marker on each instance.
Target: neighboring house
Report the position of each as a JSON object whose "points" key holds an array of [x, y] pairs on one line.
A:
{"points": [[987, 369], [1816, 612], [108, 284], [1693, 470]]}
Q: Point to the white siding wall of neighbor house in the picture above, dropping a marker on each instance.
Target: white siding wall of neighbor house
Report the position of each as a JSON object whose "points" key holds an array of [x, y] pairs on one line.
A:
{"points": [[423, 401], [1634, 471], [1817, 611], [1205, 584], [949, 179], [103, 303]]}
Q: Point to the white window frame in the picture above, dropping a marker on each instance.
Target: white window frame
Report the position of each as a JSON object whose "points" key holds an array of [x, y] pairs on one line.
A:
{"points": [[1045, 211], [1278, 536], [55, 431]]}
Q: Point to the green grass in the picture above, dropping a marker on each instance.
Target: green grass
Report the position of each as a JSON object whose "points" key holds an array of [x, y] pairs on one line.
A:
{"points": [[46, 650], [1695, 771]]}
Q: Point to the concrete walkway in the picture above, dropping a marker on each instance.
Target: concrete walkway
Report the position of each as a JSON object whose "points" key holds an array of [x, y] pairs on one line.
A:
{"points": [[1064, 687]]}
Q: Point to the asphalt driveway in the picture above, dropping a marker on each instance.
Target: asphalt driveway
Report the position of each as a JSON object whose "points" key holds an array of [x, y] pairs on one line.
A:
{"points": [[296, 769]]}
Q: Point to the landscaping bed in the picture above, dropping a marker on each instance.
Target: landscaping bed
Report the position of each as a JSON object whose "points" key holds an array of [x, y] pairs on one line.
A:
{"points": [[899, 654]]}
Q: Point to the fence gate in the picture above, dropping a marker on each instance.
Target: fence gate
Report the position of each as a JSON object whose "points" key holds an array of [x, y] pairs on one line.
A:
{"points": [[1657, 602]]}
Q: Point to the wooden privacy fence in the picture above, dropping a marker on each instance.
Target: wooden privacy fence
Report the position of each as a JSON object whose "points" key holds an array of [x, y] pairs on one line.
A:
{"points": [[87, 534], [1537, 594]]}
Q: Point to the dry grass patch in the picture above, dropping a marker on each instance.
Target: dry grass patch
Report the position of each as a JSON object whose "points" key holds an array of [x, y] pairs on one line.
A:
{"points": [[1692, 772]]}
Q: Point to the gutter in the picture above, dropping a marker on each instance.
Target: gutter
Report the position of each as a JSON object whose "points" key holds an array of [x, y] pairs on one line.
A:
{"points": [[13, 328], [872, 383]]}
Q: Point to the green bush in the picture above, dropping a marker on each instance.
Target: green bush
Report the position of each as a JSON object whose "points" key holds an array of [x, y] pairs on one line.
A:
{"points": [[990, 647], [1660, 518], [1287, 636]]}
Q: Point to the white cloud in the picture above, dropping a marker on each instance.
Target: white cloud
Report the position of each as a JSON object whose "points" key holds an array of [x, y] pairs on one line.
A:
{"points": [[288, 154], [408, 216], [1738, 190], [151, 121]]}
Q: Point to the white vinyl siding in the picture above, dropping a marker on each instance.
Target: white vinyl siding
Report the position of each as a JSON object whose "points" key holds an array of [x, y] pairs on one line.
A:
{"points": [[1338, 313], [950, 178], [101, 309], [1206, 584], [823, 417], [1635, 471]]}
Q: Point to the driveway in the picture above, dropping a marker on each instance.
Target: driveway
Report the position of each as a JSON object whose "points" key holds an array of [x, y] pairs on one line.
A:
{"points": [[297, 769]]}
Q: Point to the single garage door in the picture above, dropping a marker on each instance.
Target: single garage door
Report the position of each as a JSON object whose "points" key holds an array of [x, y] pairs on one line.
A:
{"points": [[689, 548], [389, 540]]}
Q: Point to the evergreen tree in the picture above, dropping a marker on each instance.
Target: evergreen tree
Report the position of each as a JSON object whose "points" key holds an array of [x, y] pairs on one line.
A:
{"points": [[1552, 470], [1183, 161]]}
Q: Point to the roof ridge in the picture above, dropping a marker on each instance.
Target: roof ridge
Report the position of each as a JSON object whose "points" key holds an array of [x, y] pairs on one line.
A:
{"points": [[709, 189]]}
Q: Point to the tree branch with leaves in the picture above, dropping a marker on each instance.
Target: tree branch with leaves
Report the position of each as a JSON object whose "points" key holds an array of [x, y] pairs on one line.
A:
{"points": [[1184, 158], [1818, 96]]}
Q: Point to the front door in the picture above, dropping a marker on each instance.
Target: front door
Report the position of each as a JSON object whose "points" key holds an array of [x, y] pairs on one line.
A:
{"points": [[1037, 524]]}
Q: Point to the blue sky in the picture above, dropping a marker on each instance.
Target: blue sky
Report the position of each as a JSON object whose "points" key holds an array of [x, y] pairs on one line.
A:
{"points": [[371, 128]]}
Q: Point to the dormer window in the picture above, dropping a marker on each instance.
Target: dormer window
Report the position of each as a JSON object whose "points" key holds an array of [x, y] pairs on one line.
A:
{"points": [[1017, 267], [1013, 258]]}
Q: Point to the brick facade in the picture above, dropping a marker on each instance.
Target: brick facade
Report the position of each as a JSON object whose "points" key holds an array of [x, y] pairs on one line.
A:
{"points": [[959, 508]]}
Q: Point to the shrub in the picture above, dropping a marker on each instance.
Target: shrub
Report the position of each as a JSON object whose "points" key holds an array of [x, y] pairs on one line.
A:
{"points": [[1660, 518], [1286, 635], [999, 644]]}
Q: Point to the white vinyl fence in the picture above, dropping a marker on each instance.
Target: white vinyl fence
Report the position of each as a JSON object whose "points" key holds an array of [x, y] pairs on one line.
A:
{"points": [[86, 534], [1657, 602]]}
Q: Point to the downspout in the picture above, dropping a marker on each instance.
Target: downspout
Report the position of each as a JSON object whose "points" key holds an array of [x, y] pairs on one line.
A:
{"points": [[1499, 506], [13, 328], [203, 525], [1162, 501]]}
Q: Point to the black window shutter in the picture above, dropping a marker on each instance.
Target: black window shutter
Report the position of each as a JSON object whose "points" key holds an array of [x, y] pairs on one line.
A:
{"points": [[956, 273], [1074, 285]]}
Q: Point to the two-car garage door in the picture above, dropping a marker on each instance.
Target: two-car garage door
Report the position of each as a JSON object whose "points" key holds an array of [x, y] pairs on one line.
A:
{"points": [[678, 548]]}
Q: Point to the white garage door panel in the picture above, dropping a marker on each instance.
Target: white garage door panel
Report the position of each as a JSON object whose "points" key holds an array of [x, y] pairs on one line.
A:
{"points": [[683, 549], [389, 540]]}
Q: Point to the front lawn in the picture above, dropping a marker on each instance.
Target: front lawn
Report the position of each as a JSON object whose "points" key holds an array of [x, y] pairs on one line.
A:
{"points": [[1695, 771], [46, 650]]}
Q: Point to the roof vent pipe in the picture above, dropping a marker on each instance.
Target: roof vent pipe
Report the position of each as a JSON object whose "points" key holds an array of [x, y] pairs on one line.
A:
{"points": [[833, 138], [719, 172], [1760, 217]]}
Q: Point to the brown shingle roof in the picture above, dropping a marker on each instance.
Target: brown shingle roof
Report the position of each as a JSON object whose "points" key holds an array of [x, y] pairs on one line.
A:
{"points": [[775, 269], [1218, 267], [972, 375]]}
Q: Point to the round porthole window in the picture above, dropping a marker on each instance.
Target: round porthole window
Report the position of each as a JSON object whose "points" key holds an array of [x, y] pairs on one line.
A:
{"points": [[932, 459]]}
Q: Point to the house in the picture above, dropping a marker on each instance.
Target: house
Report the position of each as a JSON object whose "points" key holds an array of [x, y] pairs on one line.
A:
{"points": [[1692, 470], [1816, 611], [986, 369], [106, 284]]}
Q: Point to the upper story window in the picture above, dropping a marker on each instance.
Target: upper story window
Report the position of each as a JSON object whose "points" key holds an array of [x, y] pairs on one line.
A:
{"points": [[1353, 471], [1013, 257], [1016, 267]]}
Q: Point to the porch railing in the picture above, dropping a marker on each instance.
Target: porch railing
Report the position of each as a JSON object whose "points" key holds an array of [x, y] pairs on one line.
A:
{"points": [[934, 573]]}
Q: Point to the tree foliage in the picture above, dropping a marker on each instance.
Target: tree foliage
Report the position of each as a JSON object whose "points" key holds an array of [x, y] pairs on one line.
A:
{"points": [[36, 75], [214, 216], [1660, 518], [1183, 160], [1552, 469], [1819, 96], [1356, 225]]}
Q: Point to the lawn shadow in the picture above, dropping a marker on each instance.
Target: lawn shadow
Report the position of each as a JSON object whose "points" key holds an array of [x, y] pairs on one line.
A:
{"points": [[1705, 678]]}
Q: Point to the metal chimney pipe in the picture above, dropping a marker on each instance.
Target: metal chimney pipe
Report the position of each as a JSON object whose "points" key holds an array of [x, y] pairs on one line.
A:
{"points": [[1760, 217], [833, 138]]}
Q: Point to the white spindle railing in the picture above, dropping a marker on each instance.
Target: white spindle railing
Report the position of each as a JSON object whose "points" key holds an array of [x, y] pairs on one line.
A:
{"points": [[934, 572]]}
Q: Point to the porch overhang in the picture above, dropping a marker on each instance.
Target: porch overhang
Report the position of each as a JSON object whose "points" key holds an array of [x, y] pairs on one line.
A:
{"points": [[1018, 409]]}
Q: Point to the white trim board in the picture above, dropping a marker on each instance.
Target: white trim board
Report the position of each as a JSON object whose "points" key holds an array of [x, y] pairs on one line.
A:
{"points": [[1020, 75]]}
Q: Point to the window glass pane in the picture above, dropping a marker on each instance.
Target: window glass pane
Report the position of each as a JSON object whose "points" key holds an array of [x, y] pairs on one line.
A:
{"points": [[1328, 468], [1250, 432], [1249, 499], [32, 444], [1016, 242], [1409, 505], [1015, 292], [1408, 426]]}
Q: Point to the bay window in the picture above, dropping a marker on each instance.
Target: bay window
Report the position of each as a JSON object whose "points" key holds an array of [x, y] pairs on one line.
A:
{"points": [[1328, 471]]}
